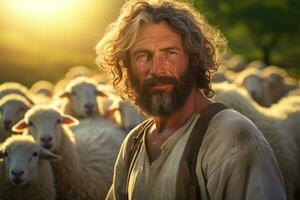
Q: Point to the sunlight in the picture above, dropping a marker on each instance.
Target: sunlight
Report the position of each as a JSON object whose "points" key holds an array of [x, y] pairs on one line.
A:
{"points": [[40, 7], [42, 10]]}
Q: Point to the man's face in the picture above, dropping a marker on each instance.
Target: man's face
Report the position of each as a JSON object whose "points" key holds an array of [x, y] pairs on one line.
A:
{"points": [[160, 73]]}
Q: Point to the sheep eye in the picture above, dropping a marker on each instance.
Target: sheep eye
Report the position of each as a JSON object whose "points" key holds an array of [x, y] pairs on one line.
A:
{"points": [[58, 121], [5, 154], [34, 154], [30, 123]]}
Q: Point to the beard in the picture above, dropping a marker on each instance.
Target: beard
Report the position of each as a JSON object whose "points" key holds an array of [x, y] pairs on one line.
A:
{"points": [[163, 103]]}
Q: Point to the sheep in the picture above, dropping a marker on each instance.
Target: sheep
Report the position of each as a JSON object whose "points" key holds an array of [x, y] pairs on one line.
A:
{"points": [[60, 85], [77, 71], [81, 98], [12, 109], [101, 78], [15, 88], [88, 156], [25, 171], [218, 77], [279, 84], [256, 85], [43, 87], [235, 63], [294, 92], [256, 64], [130, 117], [280, 139]]}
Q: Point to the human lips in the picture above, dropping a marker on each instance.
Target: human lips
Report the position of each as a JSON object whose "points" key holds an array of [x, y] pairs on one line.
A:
{"points": [[161, 86]]}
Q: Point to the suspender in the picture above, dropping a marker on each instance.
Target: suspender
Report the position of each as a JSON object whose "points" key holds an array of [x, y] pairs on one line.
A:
{"points": [[135, 149], [187, 183]]}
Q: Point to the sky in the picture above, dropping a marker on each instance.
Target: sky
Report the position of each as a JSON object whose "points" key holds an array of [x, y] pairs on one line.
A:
{"points": [[43, 38]]}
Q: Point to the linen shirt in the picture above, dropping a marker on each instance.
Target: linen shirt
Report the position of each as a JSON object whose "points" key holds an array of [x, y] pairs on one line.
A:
{"points": [[234, 162]]}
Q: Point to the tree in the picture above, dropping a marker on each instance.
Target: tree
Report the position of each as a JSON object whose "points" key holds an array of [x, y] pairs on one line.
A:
{"points": [[267, 22]]}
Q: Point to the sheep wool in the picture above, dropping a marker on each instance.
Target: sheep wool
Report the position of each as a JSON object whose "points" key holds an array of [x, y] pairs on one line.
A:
{"points": [[39, 182]]}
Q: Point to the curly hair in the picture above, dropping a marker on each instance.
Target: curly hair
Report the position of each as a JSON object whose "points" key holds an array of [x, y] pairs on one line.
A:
{"points": [[204, 43]]}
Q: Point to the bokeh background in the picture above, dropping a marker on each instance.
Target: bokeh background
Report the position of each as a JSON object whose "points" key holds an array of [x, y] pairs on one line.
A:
{"points": [[42, 39]]}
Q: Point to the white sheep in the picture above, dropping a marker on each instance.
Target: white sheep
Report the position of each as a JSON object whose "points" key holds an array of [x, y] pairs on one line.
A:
{"points": [[43, 87], [235, 63], [294, 92], [130, 116], [12, 110], [88, 157], [77, 71], [279, 83], [102, 78], [256, 64], [256, 85], [15, 88], [25, 171], [60, 85], [80, 98], [281, 140]]}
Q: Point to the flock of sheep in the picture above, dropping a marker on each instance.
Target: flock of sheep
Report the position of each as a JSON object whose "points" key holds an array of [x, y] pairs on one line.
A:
{"points": [[270, 98], [61, 141]]}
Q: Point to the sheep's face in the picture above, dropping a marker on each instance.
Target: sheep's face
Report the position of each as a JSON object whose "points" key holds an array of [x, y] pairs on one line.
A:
{"points": [[45, 125], [46, 128], [22, 159], [83, 98], [257, 89], [11, 112]]}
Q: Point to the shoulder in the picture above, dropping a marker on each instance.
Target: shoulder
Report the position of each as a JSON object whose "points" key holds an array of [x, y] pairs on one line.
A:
{"points": [[228, 134], [236, 129]]}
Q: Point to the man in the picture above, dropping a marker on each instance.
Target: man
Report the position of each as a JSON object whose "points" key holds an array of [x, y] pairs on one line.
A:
{"points": [[161, 55]]}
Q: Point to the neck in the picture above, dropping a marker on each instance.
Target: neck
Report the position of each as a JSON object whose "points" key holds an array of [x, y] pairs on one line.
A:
{"points": [[195, 102]]}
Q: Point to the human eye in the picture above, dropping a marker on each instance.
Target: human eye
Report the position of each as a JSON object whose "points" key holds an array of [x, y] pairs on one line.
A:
{"points": [[170, 52], [142, 56]]}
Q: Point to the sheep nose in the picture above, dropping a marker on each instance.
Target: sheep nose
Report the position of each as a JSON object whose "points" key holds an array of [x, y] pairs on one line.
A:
{"points": [[7, 125], [46, 140], [17, 173], [88, 109]]}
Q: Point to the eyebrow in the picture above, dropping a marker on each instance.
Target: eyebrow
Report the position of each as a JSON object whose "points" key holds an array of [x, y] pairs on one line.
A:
{"points": [[135, 52], [162, 49], [170, 48]]}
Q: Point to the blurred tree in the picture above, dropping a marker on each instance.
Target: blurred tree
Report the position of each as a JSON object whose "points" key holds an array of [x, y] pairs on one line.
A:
{"points": [[267, 22]]}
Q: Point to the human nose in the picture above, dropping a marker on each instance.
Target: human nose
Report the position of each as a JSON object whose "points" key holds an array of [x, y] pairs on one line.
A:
{"points": [[158, 67]]}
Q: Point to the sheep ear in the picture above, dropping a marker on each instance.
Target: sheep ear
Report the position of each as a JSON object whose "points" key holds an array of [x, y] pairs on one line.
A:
{"points": [[101, 93], [70, 121], [63, 94], [20, 126], [49, 155]]}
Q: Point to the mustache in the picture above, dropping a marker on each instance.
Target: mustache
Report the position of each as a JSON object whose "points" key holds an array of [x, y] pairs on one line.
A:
{"points": [[159, 80]]}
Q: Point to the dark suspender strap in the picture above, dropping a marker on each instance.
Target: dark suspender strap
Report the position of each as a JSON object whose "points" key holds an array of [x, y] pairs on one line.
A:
{"points": [[135, 148], [187, 183]]}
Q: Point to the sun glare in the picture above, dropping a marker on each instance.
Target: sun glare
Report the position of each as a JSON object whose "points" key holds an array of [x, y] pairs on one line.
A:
{"points": [[39, 6], [43, 9]]}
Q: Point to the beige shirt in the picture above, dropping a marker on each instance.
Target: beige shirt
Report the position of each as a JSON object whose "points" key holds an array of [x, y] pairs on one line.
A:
{"points": [[234, 162]]}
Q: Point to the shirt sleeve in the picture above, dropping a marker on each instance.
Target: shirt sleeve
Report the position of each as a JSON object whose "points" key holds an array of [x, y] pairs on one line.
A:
{"points": [[251, 173]]}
